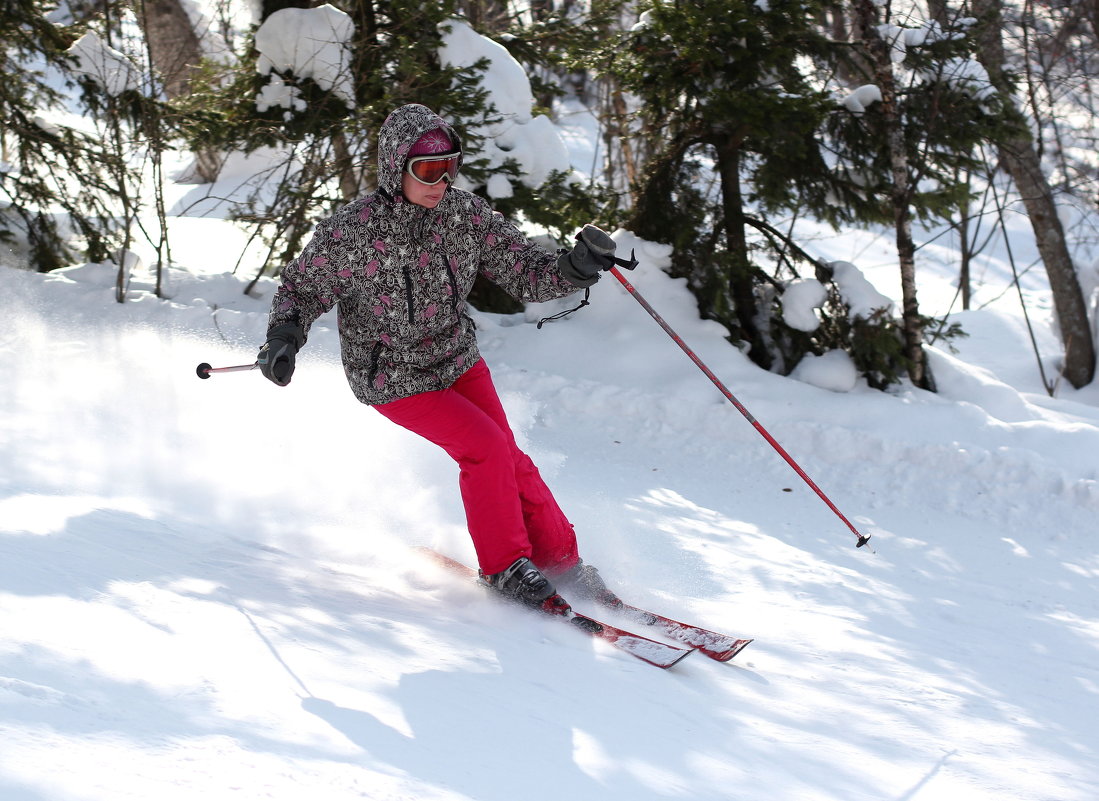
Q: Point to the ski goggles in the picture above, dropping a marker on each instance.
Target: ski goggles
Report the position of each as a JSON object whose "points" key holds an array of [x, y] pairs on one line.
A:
{"points": [[429, 170]]}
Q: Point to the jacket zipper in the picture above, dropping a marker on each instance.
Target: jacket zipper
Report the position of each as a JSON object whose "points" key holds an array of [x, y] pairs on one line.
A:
{"points": [[408, 295]]}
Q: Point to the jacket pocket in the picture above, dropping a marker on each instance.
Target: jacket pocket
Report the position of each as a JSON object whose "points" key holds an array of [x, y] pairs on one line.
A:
{"points": [[375, 358]]}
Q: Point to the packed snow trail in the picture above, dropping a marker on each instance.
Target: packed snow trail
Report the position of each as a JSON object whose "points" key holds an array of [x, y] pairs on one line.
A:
{"points": [[190, 607]]}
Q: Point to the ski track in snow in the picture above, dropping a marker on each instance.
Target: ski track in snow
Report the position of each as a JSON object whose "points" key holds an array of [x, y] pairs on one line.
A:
{"points": [[190, 608]]}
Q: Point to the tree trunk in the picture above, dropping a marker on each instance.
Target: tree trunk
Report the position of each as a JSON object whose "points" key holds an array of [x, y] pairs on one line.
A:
{"points": [[351, 179], [175, 52], [486, 14], [621, 116], [173, 43], [938, 10], [1021, 160], [900, 194], [741, 271], [269, 7], [964, 285]]}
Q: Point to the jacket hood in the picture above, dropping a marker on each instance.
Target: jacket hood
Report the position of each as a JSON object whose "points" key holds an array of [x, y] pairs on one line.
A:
{"points": [[396, 137]]}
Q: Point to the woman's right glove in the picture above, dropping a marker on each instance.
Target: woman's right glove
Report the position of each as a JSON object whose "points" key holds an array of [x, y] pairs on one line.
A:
{"points": [[276, 356], [592, 253]]}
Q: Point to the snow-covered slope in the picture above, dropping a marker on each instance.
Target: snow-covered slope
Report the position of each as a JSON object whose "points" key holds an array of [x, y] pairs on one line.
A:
{"points": [[190, 607]]}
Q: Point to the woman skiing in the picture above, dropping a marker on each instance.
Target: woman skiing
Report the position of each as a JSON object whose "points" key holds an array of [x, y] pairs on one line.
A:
{"points": [[398, 264]]}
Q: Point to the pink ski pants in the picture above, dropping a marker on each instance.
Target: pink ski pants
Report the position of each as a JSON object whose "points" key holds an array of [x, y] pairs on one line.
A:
{"points": [[510, 511]]}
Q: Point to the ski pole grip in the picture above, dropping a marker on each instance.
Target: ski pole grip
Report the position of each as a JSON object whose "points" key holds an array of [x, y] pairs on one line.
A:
{"points": [[629, 263]]}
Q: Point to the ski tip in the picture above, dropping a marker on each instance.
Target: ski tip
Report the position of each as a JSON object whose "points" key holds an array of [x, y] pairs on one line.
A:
{"points": [[678, 659], [725, 656], [665, 659], [662, 655]]}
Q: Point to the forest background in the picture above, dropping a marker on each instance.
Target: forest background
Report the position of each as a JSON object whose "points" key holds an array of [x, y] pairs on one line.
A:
{"points": [[740, 133]]}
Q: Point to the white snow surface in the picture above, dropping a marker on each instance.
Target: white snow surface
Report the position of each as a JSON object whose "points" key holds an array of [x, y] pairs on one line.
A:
{"points": [[209, 589], [834, 370]]}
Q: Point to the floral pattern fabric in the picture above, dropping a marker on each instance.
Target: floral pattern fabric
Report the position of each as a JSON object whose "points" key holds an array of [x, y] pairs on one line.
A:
{"points": [[399, 274]]}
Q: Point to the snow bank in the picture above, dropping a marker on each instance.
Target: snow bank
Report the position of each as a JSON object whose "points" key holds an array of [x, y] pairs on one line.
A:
{"points": [[833, 370]]}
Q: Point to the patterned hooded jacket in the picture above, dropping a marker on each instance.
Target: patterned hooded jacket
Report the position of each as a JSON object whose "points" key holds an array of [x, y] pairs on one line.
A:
{"points": [[399, 274]]}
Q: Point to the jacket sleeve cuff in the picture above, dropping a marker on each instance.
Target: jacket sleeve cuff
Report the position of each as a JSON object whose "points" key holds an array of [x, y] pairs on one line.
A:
{"points": [[290, 331]]}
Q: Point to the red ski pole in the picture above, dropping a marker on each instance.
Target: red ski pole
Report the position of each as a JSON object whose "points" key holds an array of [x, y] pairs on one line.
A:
{"points": [[204, 370], [862, 539]]}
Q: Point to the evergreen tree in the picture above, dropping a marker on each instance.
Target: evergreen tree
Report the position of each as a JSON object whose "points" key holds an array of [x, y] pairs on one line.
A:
{"points": [[738, 103], [729, 105], [49, 167]]}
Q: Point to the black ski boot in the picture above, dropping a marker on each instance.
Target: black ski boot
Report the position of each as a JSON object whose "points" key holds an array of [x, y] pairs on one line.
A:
{"points": [[522, 581], [583, 581]]}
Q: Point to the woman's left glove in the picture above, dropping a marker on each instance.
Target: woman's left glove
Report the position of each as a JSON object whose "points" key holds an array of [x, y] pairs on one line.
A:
{"points": [[276, 357], [592, 253]]}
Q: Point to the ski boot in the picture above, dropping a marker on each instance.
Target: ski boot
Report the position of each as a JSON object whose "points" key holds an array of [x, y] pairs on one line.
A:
{"points": [[525, 583], [583, 581]]}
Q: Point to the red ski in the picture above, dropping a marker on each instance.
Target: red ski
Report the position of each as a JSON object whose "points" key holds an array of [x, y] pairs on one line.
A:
{"points": [[660, 654], [716, 646]]}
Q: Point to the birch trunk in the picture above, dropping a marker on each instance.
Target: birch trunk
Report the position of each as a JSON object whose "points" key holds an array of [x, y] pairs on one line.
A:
{"points": [[900, 195]]}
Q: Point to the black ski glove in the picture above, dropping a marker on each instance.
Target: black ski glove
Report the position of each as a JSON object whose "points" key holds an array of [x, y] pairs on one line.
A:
{"points": [[276, 357], [592, 253]]}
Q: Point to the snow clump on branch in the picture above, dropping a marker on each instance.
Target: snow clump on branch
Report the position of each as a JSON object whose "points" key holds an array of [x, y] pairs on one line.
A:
{"points": [[861, 98], [307, 43], [534, 142], [106, 66]]}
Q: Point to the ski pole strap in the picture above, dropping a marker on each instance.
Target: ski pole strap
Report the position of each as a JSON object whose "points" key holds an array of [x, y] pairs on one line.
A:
{"points": [[567, 312], [627, 264]]}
